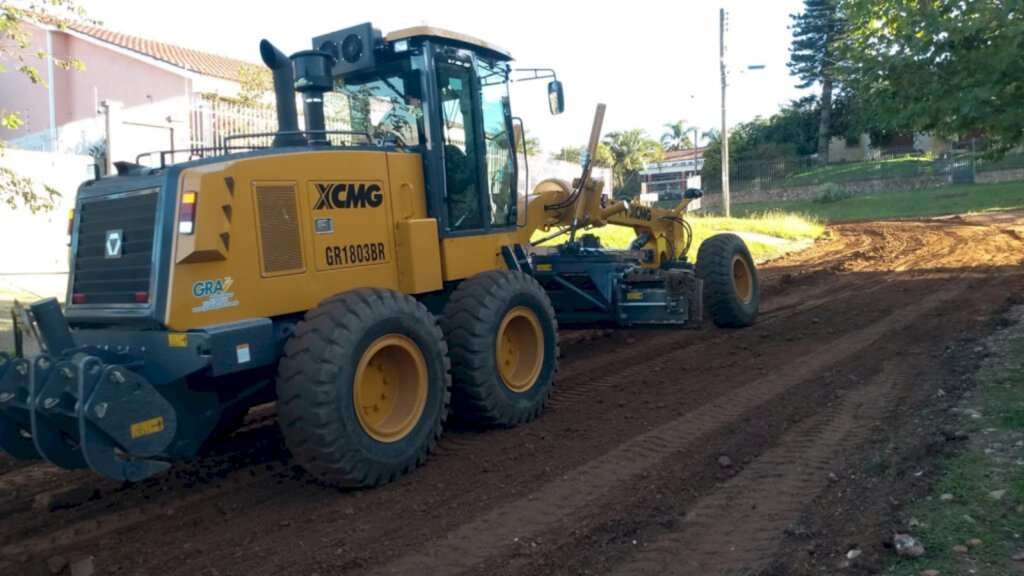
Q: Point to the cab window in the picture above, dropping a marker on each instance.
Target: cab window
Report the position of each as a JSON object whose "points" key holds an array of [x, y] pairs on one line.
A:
{"points": [[386, 104], [497, 120]]}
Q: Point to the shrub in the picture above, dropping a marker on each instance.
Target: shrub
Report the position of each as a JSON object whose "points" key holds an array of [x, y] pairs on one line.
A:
{"points": [[830, 192]]}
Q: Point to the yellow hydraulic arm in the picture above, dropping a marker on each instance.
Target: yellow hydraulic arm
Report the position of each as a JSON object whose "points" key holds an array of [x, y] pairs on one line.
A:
{"points": [[555, 204]]}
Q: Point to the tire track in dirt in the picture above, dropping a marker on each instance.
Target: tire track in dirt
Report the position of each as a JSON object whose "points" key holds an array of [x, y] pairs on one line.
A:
{"points": [[581, 382], [553, 503], [104, 524], [737, 527], [576, 382]]}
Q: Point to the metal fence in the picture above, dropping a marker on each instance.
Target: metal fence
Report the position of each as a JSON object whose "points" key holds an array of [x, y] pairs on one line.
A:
{"points": [[958, 162], [213, 120]]}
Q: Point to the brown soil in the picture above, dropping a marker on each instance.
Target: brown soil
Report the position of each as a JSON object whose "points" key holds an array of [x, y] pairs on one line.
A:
{"points": [[826, 412]]}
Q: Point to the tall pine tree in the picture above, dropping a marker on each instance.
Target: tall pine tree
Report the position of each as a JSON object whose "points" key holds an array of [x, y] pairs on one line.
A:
{"points": [[812, 58]]}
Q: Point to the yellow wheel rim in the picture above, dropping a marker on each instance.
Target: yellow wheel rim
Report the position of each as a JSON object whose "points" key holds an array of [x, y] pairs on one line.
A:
{"points": [[742, 279], [390, 389], [520, 349]]}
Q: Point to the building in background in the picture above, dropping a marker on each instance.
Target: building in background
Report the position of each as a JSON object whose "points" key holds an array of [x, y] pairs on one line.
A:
{"points": [[135, 95], [679, 170]]}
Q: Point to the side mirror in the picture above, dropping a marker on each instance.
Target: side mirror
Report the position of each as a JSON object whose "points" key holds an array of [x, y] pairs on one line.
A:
{"points": [[692, 193], [556, 98]]}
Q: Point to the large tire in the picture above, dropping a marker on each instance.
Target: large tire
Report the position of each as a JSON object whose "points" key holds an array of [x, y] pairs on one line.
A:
{"points": [[503, 338], [732, 293], [336, 366]]}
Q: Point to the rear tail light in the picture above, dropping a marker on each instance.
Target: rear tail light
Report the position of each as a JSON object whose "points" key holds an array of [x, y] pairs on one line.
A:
{"points": [[142, 297], [78, 299], [187, 213]]}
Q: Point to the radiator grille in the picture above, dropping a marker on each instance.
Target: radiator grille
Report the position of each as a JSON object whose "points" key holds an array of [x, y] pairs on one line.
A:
{"points": [[280, 242], [101, 279]]}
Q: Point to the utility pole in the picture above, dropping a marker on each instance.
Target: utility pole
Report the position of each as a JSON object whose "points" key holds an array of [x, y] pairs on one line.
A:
{"points": [[725, 126]]}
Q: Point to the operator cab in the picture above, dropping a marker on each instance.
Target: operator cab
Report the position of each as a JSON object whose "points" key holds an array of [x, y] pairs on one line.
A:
{"points": [[441, 94]]}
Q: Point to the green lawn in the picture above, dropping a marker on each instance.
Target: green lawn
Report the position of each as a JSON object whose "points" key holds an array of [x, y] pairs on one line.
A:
{"points": [[770, 223], [914, 203]]}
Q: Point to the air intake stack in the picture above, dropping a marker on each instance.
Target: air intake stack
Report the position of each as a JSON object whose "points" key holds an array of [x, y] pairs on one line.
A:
{"points": [[312, 79]]}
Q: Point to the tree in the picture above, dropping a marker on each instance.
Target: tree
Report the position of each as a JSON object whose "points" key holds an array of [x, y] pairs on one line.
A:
{"points": [[17, 51], [255, 83], [773, 145], [677, 136], [533, 147], [574, 154], [943, 66], [631, 151], [816, 34]]}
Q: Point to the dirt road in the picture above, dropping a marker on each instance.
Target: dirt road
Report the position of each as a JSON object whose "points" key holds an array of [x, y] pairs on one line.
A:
{"points": [[772, 449]]}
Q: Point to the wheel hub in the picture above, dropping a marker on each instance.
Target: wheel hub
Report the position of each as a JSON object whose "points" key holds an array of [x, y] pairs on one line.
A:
{"points": [[390, 389], [742, 279], [520, 349]]}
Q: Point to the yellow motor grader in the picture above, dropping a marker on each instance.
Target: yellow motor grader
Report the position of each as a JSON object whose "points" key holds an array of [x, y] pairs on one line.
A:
{"points": [[370, 280]]}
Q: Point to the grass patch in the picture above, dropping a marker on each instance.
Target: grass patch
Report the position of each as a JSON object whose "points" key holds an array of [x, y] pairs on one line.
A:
{"points": [[988, 464], [915, 203], [769, 223]]}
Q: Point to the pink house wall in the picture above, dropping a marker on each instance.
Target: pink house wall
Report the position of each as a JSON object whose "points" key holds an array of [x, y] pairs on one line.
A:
{"points": [[108, 75]]}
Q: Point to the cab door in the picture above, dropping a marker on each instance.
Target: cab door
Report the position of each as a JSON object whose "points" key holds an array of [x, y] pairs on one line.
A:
{"points": [[479, 161]]}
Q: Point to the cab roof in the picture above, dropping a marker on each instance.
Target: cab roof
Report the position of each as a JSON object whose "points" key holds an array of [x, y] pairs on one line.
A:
{"points": [[430, 31]]}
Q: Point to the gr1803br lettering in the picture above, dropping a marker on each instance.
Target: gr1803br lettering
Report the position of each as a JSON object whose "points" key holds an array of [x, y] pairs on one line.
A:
{"points": [[340, 195], [354, 254]]}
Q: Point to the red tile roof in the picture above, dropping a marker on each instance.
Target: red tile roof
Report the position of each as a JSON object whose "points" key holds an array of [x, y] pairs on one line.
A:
{"points": [[202, 63], [688, 154]]}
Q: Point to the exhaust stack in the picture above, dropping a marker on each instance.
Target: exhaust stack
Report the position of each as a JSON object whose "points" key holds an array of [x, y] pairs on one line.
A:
{"points": [[288, 133]]}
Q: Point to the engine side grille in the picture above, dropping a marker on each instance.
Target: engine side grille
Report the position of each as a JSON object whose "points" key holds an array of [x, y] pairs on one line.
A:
{"points": [[280, 242], [102, 278]]}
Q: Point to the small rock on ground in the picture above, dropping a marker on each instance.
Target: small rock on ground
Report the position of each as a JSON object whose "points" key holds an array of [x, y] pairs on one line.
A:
{"points": [[725, 461], [997, 494], [56, 564], [83, 567], [1018, 556], [946, 498], [64, 498], [930, 573], [852, 554], [960, 549], [974, 543], [907, 546]]}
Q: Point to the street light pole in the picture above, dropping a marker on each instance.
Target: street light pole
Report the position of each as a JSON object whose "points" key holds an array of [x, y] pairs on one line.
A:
{"points": [[725, 126]]}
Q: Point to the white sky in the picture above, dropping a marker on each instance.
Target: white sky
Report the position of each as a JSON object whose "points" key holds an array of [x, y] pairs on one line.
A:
{"points": [[650, 62]]}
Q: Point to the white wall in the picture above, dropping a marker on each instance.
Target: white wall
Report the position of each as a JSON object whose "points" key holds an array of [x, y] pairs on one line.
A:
{"points": [[37, 243], [543, 168]]}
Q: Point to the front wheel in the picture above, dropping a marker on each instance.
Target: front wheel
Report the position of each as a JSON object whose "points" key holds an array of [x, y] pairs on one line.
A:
{"points": [[363, 387], [732, 293]]}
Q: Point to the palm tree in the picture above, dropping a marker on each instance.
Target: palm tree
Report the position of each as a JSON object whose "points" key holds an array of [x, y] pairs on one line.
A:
{"points": [[677, 136], [631, 151]]}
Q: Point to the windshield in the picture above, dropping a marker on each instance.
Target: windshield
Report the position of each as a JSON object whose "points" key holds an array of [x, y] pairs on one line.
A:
{"points": [[385, 103]]}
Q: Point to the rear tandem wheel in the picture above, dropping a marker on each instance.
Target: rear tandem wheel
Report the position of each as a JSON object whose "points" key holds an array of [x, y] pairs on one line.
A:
{"points": [[503, 338]]}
